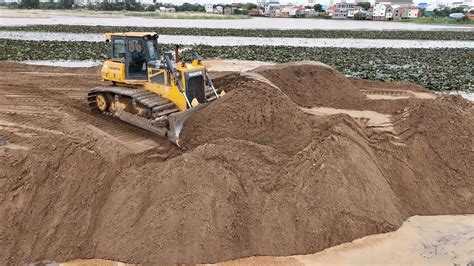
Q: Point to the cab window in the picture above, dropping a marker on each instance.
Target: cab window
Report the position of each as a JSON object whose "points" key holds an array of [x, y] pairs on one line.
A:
{"points": [[118, 49], [152, 50]]}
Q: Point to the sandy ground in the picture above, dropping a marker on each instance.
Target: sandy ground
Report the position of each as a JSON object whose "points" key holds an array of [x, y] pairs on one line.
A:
{"points": [[422, 240]]}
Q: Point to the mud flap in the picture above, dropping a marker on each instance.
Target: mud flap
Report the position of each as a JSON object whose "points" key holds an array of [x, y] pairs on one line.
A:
{"points": [[176, 122]]}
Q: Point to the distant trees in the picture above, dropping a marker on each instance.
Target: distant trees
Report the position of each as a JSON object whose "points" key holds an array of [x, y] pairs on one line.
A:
{"points": [[364, 5], [28, 4], [318, 8], [442, 13], [189, 7], [457, 10], [130, 5]]}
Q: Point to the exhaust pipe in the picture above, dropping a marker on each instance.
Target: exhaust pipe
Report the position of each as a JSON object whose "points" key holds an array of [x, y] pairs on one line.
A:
{"points": [[176, 53]]}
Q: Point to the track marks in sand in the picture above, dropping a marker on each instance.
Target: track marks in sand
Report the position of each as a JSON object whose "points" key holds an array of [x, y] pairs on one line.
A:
{"points": [[385, 94], [370, 119], [53, 102]]}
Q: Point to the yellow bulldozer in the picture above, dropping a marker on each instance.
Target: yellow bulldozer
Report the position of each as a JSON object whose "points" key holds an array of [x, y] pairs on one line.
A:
{"points": [[149, 90]]}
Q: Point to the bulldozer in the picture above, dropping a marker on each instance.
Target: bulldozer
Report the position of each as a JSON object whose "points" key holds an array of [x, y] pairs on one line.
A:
{"points": [[149, 90]]}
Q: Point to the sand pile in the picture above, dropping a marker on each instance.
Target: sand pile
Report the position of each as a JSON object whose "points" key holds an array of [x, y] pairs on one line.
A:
{"points": [[258, 177], [311, 83], [254, 111]]}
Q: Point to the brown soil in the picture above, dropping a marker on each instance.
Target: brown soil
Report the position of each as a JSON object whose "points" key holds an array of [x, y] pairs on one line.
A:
{"points": [[258, 176]]}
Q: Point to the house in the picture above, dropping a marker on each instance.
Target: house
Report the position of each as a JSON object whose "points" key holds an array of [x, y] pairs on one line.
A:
{"points": [[255, 12], [429, 10], [396, 2], [285, 11], [219, 10], [272, 9], [413, 12], [383, 11], [370, 13], [310, 13], [297, 12], [229, 10], [360, 15], [329, 12], [405, 12], [209, 8], [470, 13], [342, 10], [351, 11]]}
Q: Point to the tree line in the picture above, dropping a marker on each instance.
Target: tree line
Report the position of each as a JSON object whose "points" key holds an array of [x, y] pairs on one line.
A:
{"points": [[129, 5]]}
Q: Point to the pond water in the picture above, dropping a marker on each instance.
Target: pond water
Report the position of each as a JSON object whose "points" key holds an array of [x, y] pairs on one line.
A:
{"points": [[240, 41], [254, 23]]}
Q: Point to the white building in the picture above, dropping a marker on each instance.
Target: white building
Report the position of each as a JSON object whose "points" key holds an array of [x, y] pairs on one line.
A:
{"points": [[342, 9], [383, 11], [351, 11], [272, 8], [209, 8], [396, 2]]}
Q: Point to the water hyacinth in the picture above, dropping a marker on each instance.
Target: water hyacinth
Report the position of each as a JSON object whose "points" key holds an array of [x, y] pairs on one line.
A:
{"points": [[387, 34], [436, 69]]}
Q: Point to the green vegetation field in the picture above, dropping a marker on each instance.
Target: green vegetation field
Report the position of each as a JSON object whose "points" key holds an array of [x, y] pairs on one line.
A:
{"points": [[402, 35], [439, 21], [437, 69]]}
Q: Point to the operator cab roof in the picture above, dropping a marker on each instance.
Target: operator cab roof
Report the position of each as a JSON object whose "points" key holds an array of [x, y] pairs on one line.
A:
{"points": [[108, 36]]}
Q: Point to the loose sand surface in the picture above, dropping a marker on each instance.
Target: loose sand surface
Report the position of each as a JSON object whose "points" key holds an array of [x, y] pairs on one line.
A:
{"points": [[422, 240], [257, 174]]}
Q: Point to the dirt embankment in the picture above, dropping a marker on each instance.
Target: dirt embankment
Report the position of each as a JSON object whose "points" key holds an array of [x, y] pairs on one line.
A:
{"points": [[259, 175]]}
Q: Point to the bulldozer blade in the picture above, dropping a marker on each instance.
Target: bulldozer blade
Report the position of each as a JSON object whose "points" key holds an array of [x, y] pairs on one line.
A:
{"points": [[140, 122], [176, 122]]}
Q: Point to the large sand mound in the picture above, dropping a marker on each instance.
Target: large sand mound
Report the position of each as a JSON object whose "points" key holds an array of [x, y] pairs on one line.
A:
{"points": [[254, 111], [311, 83], [258, 177]]}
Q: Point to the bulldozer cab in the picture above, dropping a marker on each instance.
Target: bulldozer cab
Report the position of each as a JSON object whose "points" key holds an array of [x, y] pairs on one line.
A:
{"points": [[135, 51]]}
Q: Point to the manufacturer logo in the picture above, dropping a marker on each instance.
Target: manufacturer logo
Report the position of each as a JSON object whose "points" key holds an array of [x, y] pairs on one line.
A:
{"points": [[195, 73]]}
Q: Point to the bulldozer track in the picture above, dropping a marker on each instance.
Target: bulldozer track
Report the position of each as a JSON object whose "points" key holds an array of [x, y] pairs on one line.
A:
{"points": [[159, 105], [154, 108]]}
